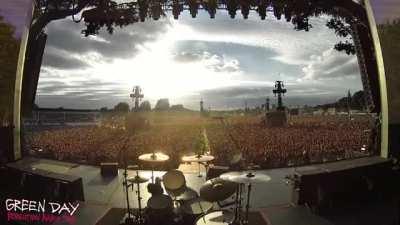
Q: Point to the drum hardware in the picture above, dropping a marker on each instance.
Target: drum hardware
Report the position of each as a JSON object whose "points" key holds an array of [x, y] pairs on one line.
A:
{"points": [[244, 178], [175, 184], [219, 217], [129, 183], [152, 158], [194, 208], [128, 219], [217, 189], [200, 159], [138, 180]]}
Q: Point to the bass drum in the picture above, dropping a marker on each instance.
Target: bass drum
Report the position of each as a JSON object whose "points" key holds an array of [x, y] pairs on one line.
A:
{"points": [[219, 217], [160, 210], [194, 208]]}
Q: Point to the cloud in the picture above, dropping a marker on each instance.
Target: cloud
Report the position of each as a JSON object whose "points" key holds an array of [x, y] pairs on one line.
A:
{"points": [[85, 87], [214, 62], [292, 47], [331, 64], [188, 57], [63, 61], [248, 56], [64, 37]]}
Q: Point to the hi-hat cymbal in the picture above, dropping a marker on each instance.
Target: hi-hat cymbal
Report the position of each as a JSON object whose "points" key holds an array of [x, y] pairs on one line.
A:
{"points": [[132, 167], [137, 180], [154, 157], [245, 177], [198, 158], [217, 189]]}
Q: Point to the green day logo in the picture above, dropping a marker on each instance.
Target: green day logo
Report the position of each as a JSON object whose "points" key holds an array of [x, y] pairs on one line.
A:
{"points": [[24, 210]]}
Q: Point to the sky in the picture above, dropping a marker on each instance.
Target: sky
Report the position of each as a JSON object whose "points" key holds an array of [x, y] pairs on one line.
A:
{"points": [[224, 62]]}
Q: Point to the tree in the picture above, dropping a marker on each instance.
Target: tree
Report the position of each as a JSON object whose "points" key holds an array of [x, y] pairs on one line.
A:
{"points": [[358, 100], [145, 106], [121, 107], [162, 104], [9, 46], [201, 144], [178, 107], [103, 109]]}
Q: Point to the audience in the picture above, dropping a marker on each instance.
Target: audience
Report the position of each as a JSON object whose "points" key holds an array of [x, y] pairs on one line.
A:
{"points": [[305, 139]]}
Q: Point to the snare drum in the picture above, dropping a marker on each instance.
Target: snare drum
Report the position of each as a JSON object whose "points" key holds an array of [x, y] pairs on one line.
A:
{"points": [[194, 208], [220, 217], [160, 209]]}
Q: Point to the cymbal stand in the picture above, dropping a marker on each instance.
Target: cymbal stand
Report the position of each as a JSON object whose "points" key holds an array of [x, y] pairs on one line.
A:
{"points": [[238, 206], [246, 221], [199, 163], [129, 219], [139, 216], [153, 156]]}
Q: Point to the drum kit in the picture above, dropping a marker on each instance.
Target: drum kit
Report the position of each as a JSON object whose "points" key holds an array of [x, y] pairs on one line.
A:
{"points": [[183, 205], [153, 158], [200, 159]]}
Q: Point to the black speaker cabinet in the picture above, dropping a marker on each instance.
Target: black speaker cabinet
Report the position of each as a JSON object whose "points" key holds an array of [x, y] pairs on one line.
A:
{"points": [[40, 184], [340, 182], [109, 169]]}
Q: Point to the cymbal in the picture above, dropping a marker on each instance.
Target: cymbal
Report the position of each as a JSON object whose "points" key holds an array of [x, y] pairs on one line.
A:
{"points": [[154, 157], [132, 167], [245, 177], [137, 179], [217, 189], [196, 206], [198, 158]]}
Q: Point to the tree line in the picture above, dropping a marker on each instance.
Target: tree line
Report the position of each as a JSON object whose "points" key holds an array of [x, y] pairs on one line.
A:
{"points": [[145, 106]]}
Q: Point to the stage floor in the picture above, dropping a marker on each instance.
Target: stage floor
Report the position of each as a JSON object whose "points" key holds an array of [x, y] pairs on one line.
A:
{"points": [[272, 199]]}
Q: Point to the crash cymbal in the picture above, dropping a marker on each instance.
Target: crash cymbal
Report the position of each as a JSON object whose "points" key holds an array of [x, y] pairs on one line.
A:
{"points": [[196, 206], [217, 189], [154, 157], [198, 158], [137, 180], [245, 177]]}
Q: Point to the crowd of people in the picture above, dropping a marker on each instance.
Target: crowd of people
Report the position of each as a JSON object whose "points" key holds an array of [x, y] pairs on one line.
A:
{"points": [[304, 140]]}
